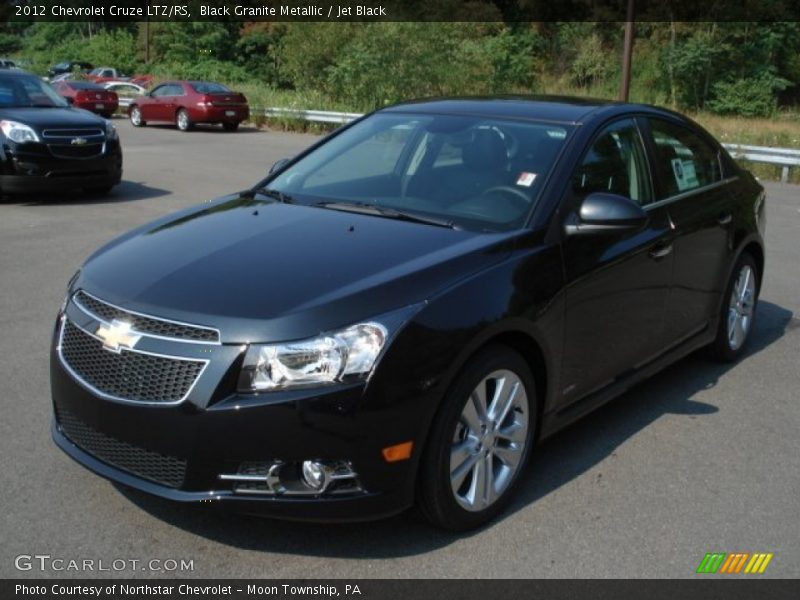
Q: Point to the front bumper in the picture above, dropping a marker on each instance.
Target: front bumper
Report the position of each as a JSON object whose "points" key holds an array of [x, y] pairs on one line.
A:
{"points": [[215, 430], [35, 169]]}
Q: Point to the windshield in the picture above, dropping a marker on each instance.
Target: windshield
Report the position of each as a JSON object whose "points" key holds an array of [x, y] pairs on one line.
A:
{"points": [[16, 92], [477, 173]]}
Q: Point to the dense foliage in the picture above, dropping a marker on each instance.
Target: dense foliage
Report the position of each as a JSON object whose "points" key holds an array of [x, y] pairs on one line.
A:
{"points": [[745, 69]]}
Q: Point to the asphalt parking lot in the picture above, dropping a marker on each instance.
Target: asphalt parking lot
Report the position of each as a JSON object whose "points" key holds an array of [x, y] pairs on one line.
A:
{"points": [[701, 458]]}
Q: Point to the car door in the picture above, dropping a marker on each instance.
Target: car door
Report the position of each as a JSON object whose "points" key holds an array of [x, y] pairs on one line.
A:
{"points": [[170, 101], [617, 284], [150, 105], [691, 186]]}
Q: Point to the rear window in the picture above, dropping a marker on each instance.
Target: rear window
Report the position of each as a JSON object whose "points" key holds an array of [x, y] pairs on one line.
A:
{"points": [[208, 87], [85, 85]]}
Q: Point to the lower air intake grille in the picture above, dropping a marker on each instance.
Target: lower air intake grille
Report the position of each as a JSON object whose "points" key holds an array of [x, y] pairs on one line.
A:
{"points": [[127, 375], [166, 470]]}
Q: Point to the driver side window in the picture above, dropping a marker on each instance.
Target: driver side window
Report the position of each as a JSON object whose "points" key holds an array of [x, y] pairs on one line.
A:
{"points": [[615, 163]]}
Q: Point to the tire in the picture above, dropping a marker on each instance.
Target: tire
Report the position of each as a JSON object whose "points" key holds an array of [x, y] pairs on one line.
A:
{"points": [[738, 311], [456, 503], [182, 120], [136, 117], [230, 126]]}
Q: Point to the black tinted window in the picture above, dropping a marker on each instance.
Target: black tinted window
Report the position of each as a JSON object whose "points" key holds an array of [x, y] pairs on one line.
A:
{"points": [[615, 163], [684, 159]]}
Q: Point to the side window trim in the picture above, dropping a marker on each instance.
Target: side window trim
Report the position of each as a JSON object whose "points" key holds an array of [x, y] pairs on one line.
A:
{"points": [[690, 193]]}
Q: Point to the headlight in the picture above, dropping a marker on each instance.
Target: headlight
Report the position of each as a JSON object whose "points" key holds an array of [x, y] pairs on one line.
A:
{"points": [[18, 132], [340, 356], [111, 131]]}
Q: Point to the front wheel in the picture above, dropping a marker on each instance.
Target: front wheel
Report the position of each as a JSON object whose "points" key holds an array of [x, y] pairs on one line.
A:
{"points": [[183, 121], [738, 310], [479, 442], [136, 117]]}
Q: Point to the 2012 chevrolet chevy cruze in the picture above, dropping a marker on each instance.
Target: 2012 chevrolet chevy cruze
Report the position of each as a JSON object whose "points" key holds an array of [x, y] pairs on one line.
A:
{"points": [[398, 314]]}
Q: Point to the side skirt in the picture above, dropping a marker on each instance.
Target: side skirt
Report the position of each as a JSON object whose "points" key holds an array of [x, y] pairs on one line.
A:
{"points": [[555, 421]]}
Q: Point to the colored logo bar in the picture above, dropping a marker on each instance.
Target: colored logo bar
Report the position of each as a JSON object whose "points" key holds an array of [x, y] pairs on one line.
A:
{"points": [[734, 563]]}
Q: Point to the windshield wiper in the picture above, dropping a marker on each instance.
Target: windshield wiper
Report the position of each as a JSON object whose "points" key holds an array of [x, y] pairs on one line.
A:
{"points": [[276, 194], [384, 211]]}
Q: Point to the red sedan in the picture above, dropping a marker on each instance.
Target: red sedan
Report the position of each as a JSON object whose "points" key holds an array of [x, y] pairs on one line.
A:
{"points": [[188, 102], [89, 96]]}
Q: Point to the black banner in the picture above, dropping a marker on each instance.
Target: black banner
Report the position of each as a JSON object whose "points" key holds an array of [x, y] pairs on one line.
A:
{"points": [[371, 589], [397, 10]]}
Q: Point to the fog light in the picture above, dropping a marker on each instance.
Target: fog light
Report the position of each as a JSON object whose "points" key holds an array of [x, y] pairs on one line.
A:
{"points": [[315, 475]]}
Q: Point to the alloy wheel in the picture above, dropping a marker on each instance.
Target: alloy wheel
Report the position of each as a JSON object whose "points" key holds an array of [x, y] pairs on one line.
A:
{"points": [[740, 307], [489, 441], [183, 120]]}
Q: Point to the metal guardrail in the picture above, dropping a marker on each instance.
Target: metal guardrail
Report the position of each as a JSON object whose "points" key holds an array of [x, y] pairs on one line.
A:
{"points": [[317, 116], [782, 157]]}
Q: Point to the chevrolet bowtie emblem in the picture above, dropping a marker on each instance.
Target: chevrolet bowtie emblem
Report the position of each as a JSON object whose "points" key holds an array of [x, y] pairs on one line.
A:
{"points": [[117, 335], [78, 141]]}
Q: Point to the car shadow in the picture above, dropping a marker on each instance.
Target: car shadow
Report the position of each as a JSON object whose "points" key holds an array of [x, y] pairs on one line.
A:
{"points": [[126, 191], [556, 462], [204, 128]]}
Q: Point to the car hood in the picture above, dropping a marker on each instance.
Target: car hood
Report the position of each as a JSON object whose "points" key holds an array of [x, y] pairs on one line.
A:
{"points": [[266, 271], [40, 118]]}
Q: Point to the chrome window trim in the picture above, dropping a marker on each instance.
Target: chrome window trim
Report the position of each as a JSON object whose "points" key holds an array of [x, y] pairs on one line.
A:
{"points": [[77, 303], [111, 397], [688, 193]]}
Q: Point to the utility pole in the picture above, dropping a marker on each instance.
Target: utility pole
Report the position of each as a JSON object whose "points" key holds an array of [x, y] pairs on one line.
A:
{"points": [[627, 52]]}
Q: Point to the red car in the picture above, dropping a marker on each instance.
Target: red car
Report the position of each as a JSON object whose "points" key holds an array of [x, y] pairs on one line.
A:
{"points": [[89, 96], [188, 102]]}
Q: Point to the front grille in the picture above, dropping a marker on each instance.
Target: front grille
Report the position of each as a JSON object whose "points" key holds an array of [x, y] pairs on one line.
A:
{"points": [[127, 375], [87, 151], [61, 134], [144, 324], [166, 470]]}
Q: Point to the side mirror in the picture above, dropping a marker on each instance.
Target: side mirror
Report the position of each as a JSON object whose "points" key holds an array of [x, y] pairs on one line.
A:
{"points": [[278, 165], [602, 212]]}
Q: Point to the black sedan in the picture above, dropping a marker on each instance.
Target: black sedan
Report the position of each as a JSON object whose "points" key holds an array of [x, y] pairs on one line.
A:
{"points": [[48, 146], [397, 315]]}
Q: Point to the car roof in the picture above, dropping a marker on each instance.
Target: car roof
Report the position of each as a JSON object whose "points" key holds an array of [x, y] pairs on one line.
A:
{"points": [[16, 73], [560, 109]]}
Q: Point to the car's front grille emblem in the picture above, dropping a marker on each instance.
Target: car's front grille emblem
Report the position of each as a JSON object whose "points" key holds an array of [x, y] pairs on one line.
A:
{"points": [[117, 335]]}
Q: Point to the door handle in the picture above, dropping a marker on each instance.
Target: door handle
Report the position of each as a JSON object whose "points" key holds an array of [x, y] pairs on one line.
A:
{"points": [[660, 251], [725, 218]]}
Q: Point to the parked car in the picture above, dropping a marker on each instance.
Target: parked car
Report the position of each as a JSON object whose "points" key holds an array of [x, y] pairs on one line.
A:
{"points": [[103, 74], [186, 103], [48, 146], [402, 311], [89, 96], [125, 90], [70, 66]]}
